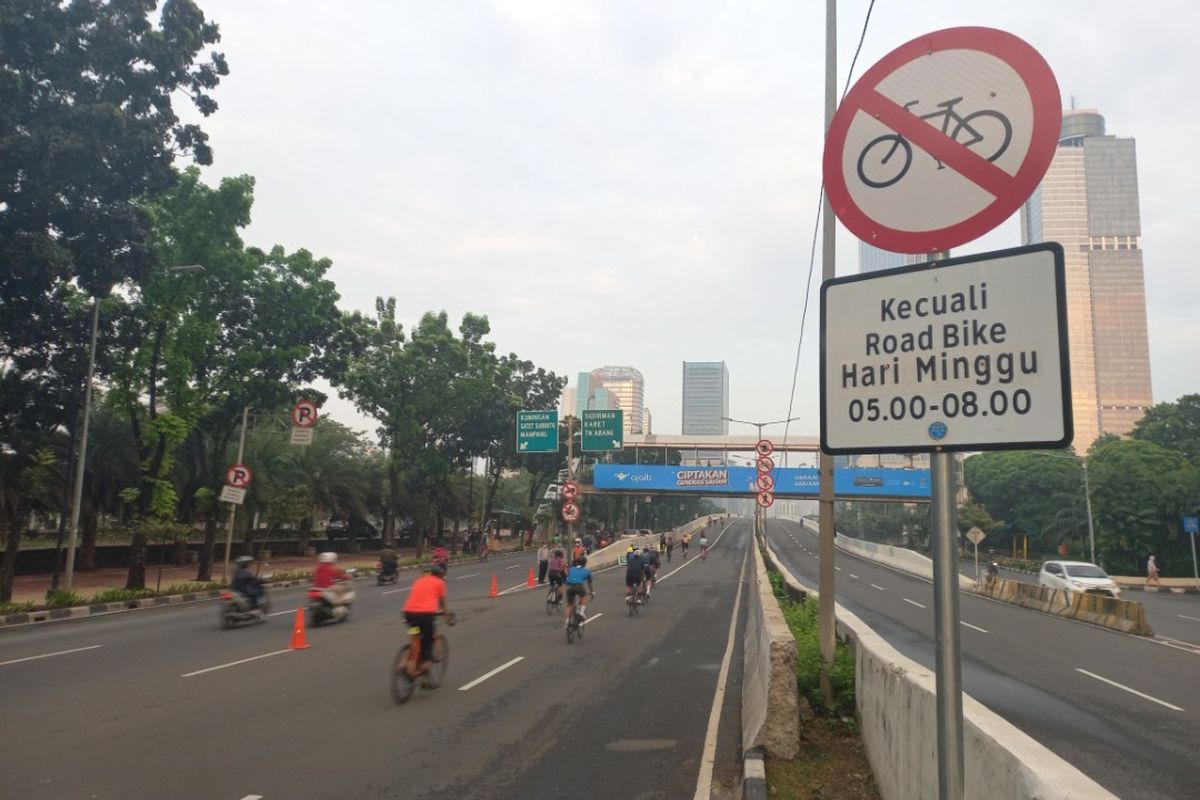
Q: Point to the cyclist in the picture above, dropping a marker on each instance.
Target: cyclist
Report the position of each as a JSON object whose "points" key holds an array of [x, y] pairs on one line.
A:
{"points": [[556, 571], [577, 576], [670, 547], [662, 542], [684, 542], [425, 599], [703, 545], [650, 567], [634, 567]]}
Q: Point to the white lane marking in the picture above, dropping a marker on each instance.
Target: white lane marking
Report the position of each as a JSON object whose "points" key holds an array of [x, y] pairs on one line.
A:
{"points": [[877, 586], [235, 663], [252, 797], [594, 616], [517, 588], [514, 566], [277, 613], [1131, 691], [464, 577], [852, 575], [1185, 616], [973, 627], [493, 673], [393, 591], [709, 754], [913, 602], [50, 655], [839, 569], [687, 563]]}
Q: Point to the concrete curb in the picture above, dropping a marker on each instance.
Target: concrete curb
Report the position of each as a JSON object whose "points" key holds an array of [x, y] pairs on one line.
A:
{"points": [[42, 616], [754, 775]]}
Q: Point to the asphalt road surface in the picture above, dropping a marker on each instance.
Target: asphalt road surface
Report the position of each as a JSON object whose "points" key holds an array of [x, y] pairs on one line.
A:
{"points": [[163, 704], [1123, 709]]}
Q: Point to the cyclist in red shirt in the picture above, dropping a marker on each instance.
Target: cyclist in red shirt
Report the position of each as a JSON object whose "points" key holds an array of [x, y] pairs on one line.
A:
{"points": [[426, 599]]}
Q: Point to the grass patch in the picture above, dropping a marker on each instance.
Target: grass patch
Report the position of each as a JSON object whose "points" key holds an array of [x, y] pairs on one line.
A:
{"points": [[16, 608], [63, 599], [831, 765], [119, 595], [191, 587]]}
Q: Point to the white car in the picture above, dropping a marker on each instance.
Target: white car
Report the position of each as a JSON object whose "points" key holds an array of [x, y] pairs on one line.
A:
{"points": [[1077, 576]]}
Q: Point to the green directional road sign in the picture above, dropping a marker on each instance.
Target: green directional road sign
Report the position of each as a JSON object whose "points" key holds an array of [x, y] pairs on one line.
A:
{"points": [[603, 430], [537, 431]]}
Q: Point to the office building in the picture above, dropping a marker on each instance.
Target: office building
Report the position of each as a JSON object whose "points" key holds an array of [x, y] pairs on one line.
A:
{"points": [[872, 259], [1088, 203], [566, 403], [646, 428], [627, 388], [705, 398]]}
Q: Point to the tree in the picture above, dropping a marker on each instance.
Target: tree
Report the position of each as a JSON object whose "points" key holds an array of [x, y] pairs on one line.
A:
{"points": [[1139, 492], [1175, 426], [1031, 491]]}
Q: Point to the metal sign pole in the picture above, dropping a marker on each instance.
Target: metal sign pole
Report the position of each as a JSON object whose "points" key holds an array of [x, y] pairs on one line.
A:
{"points": [[570, 537], [948, 649], [233, 506], [1195, 571]]}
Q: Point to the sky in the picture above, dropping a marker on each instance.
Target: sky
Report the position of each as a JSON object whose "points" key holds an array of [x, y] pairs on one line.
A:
{"points": [[636, 182]]}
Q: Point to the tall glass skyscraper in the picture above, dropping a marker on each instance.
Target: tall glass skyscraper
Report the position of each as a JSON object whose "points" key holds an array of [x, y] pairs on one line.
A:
{"points": [[1088, 202], [872, 259], [626, 389], [705, 398]]}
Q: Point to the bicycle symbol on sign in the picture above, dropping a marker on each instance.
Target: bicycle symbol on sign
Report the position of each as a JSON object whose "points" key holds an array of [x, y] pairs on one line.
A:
{"points": [[995, 128]]}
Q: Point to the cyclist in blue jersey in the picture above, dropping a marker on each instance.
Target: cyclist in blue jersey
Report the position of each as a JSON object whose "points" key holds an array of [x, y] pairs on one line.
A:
{"points": [[577, 576]]}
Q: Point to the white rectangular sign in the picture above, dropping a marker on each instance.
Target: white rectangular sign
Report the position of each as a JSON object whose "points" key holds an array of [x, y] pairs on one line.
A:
{"points": [[301, 436], [965, 354], [232, 494]]}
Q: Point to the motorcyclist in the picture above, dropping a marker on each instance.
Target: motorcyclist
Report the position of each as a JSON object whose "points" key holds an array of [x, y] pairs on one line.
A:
{"points": [[387, 558], [246, 583], [993, 572], [328, 577]]}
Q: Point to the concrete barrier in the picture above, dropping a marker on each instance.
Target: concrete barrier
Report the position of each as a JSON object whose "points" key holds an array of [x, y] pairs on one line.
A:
{"points": [[896, 704], [898, 558], [770, 703], [1121, 615]]}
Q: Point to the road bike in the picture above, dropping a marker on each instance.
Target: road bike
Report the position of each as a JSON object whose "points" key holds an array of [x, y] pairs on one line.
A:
{"points": [[997, 130], [575, 623], [704, 552], [553, 600], [406, 666]]}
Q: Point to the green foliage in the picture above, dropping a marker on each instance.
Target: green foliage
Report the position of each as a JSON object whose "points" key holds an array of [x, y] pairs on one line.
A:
{"points": [[61, 598], [1174, 426], [16, 608], [803, 619], [1139, 492], [120, 595], [1034, 492], [974, 515], [192, 587]]}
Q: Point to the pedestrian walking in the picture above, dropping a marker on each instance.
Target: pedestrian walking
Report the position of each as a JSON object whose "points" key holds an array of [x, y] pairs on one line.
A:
{"points": [[543, 562], [1152, 571]]}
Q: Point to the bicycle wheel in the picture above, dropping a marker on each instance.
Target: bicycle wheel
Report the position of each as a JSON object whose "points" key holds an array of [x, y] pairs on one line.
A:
{"points": [[550, 603], [631, 601], [571, 631], [579, 627], [441, 662], [888, 176], [401, 684], [1005, 130]]}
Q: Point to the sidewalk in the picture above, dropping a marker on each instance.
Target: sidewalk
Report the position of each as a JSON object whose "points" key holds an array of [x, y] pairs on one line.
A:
{"points": [[33, 588]]}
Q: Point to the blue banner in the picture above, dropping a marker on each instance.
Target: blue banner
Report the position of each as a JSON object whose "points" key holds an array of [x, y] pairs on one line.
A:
{"points": [[789, 481]]}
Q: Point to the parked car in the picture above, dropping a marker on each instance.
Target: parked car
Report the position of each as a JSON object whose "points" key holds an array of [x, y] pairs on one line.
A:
{"points": [[1077, 576]]}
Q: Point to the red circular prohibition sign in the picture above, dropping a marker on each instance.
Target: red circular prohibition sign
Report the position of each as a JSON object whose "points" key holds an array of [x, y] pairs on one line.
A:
{"points": [[1009, 191]]}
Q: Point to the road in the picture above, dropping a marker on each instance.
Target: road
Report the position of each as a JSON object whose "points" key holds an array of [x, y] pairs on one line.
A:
{"points": [[1123, 709], [162, 703]]}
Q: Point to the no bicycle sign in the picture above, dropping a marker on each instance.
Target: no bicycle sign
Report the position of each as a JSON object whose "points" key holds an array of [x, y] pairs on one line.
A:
{"points": [[942, 140]]}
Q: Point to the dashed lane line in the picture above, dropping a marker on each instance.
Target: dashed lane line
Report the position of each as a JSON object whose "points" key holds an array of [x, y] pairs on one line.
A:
{"points": [[852, 575], [914, 602], [1122, 686], [50, 655], [973, 627], [468, 686], [877, 586], [235, 663]]}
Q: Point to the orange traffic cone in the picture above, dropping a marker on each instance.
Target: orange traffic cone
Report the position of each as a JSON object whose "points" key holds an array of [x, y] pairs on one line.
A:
{"points": [[494, 592], [532, 581], [298, 640]]}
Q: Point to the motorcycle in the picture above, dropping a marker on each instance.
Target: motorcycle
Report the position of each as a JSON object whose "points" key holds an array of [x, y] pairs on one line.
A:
{"points": [[329, 604], [386, 575], [235, 608]]}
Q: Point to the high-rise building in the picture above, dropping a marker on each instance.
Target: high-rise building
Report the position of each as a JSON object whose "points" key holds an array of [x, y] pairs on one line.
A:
{"points": [[566, 403], [646, 429], [872, 259], [628, 390], [705, 398], [1088, 203]]}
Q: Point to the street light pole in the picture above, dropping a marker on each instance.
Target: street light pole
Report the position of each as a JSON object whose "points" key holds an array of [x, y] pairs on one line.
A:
{"points": [[83, 443], [1087, 496]]}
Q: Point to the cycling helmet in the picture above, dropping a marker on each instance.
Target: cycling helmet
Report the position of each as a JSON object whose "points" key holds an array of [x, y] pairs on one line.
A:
{"points": [[327, 558], [243, 560], [438, 569]]}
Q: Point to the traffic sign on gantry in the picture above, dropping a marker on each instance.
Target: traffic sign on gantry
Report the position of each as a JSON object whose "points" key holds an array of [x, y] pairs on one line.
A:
{"points": [[942, 140], [603, 430], [537, 431]]}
